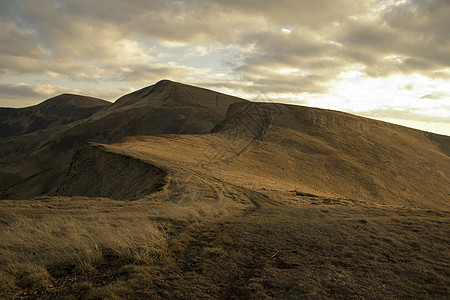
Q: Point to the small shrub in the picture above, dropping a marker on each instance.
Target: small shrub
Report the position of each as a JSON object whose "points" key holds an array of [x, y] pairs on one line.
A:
{"points": [[177, 246], [59, 269], [141, 245], [33, 276]]}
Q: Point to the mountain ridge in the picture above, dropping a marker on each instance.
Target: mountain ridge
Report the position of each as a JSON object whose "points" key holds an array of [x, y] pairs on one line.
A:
{"points": [[59, 110], [134, 114], [295, 145]]}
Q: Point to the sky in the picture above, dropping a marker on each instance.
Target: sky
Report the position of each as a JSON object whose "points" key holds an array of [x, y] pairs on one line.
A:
{"points": [[383, 59]]}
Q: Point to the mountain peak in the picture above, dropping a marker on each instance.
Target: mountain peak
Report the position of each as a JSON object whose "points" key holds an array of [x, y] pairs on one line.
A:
{"points": [[67, 99], [164, 82], [167, 93], [56, 111], [362, 158]]}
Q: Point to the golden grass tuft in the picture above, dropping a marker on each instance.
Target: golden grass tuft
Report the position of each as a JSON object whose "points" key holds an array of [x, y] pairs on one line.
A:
{"points": [[7, 284], [33, 248], [32, 275]]}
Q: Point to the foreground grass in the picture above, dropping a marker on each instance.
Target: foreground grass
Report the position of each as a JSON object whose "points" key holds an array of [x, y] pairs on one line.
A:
{"points": [[35, 252], [79, 246], [113, 250]]}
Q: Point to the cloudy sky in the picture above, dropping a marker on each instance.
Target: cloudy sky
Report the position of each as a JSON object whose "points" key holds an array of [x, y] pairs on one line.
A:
{"points": [[385, 59]]}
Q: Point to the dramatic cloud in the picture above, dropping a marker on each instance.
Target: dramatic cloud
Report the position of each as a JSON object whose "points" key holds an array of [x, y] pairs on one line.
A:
{"points": [[360, 56]]}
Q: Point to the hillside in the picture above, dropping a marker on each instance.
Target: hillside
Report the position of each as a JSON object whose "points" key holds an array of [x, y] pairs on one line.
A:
{"points": [[311, 151], [336, 154], [275, 146], [179, 192], [56, 111], [38, 160], [98, 173]]}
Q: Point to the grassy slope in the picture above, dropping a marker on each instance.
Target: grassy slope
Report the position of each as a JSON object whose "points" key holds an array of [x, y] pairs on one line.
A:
{"points": [[223, 238], [386, 166], [319, 205]]}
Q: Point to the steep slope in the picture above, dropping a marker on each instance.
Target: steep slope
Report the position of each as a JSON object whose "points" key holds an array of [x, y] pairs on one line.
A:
{"points": [[95, 172], [40, 159], [56, 111], [169, 94], [285, 148], [166, 107], [347, 156]]}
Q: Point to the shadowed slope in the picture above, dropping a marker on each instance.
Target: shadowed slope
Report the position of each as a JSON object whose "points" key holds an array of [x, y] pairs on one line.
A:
{"points": [[95, 172], [40, 158], [165, 107], [169, 94], [59, 110]]}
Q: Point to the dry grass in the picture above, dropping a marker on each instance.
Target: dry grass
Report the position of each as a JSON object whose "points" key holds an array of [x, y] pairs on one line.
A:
{"points": [[369, 161], [47, 240], [289, 245], [33, 248], [293, 217]]}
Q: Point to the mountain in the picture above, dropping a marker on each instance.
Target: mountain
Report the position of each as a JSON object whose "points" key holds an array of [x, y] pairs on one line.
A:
{"points": [[175, 191], [341, 155], [37, 160], [273, 146], [309, 151], [165, 107], [59, 110]]}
